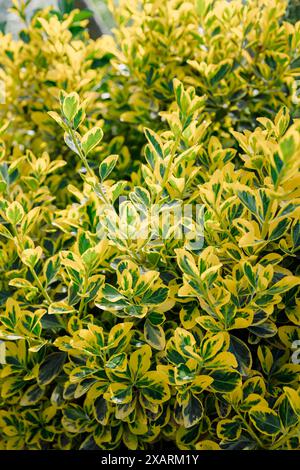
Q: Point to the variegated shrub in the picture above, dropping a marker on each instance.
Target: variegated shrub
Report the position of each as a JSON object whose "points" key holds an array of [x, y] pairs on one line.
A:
{"points": [[120, 325]]}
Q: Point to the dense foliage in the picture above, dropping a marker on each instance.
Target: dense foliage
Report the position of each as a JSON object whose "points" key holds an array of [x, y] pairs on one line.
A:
{"points": [[116, 331], [293, 11]]}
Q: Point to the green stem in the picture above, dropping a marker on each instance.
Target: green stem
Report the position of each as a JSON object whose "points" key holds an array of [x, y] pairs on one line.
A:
{"points": [[224, 226], [86, 164], [39, 284], [265, 225], [285, 438], [82, 300], [81, 154], [167, 172], [250, 430]]}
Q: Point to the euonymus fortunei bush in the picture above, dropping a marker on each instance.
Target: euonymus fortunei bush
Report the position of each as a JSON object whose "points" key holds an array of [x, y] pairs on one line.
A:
{"points": [[122, 324]]}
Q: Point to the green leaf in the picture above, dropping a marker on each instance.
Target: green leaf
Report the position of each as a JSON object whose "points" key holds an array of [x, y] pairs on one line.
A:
{"points": [[294, 399], [287, 147], [251, 400], [73, 141], [51, 367], [140, 197], [279, 230], [266, 329], [51, 269], [60, 308], [155, 142], [79, 118], [173, 355], [265, 420], [192, 411], [187, 263], [5, 232], [140, 361], [90, 340], [288, 373], [70, 106], [188, 436], [14, 213], [154, 335], [118, 337], [32, 395], [101, 410], [2, 352], [250, 274], [201, 7], [111, 293], [185, 343], [155, 297], [22, 284], [229, 429], [225, 381], [30, 322], [80, 373], [209, 323], [107, 166], [58, 119], [210, 346], [183, 374], [220, 73], [156, 318], [207, 444], [248, 200], [266, 358], [120, 393], [91, 139], [31, 256], [152, 385], [286, 283], [242, 354], [117, 362], [276, 170], [75, 419], [287, 415]]}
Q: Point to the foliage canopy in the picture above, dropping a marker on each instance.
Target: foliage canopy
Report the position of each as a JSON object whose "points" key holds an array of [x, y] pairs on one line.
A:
{"points": [[110, 337]]}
